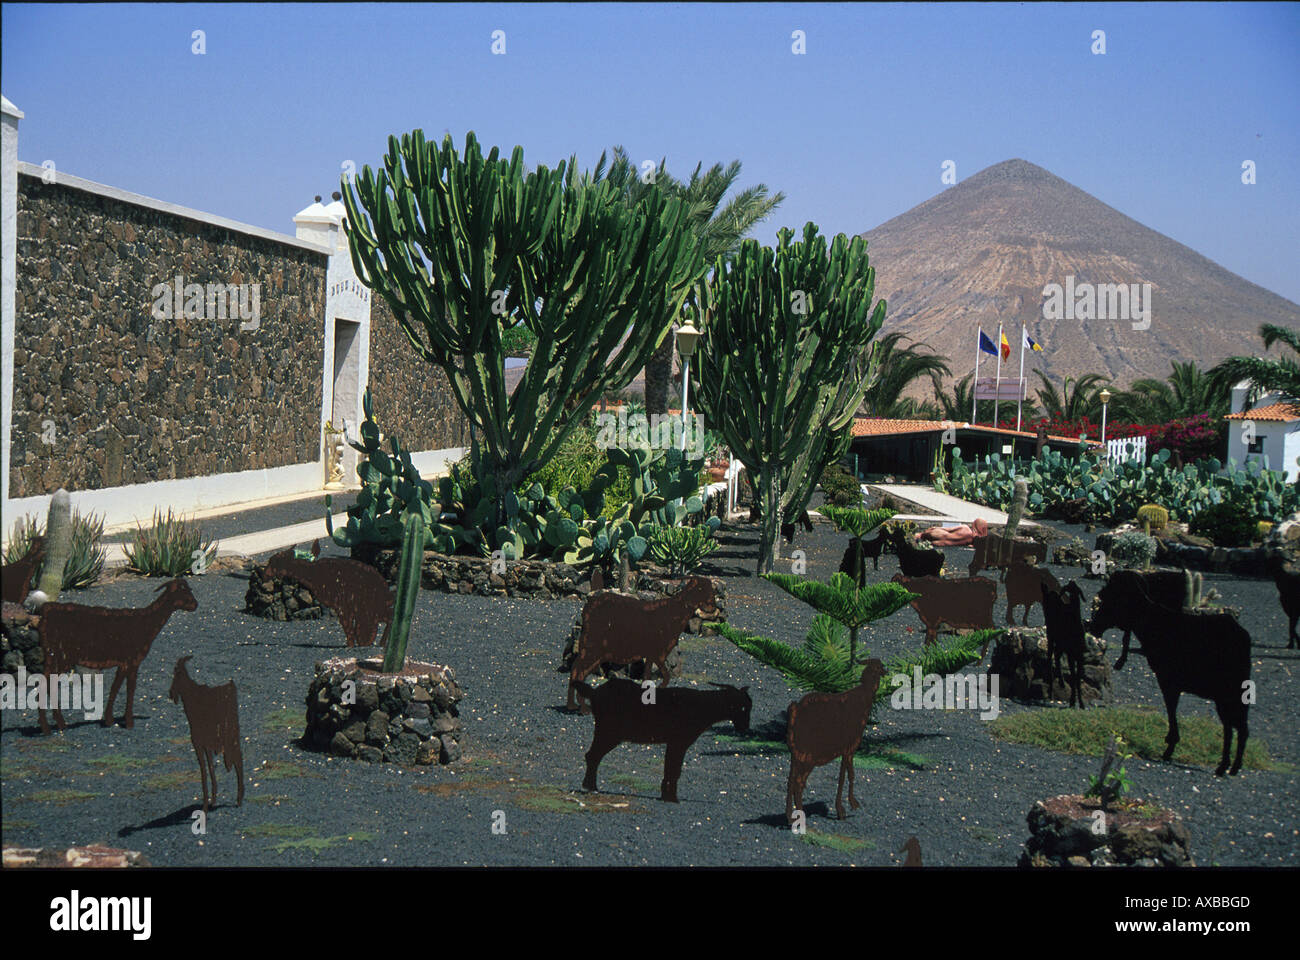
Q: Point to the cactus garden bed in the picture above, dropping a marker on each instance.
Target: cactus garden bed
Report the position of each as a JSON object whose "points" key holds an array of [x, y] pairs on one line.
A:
{"points": [[355, 710], [1065, 831]]}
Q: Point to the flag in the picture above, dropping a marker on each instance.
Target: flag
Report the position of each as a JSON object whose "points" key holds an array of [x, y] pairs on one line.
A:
{"points": [[987, 345], [1006, 347], [1031, 343]]}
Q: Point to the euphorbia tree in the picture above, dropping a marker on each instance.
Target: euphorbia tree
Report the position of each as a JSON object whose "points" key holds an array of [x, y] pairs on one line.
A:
{"points": [[785, 360], [463, 247]]}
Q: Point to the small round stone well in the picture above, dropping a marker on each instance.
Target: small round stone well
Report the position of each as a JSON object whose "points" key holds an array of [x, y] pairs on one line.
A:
{"points": [[356, 710]]}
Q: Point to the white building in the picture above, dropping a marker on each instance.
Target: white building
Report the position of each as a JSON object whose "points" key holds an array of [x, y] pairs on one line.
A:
{"points": [[1268, 432]]}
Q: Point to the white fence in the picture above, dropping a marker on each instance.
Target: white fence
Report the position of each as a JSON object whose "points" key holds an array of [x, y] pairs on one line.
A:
{"points": [[1128, 448]]}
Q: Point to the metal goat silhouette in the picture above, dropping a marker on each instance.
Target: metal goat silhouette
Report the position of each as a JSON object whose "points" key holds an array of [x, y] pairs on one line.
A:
{"points": [[75, 635], [627, 712], [824, 726], [213, 715], [356, 591], [618, 628], [16, 577]]}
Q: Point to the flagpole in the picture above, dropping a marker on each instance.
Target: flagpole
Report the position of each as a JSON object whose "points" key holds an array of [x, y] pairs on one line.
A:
{"points": [[979, 332], [1020, 394], [997, 389]]}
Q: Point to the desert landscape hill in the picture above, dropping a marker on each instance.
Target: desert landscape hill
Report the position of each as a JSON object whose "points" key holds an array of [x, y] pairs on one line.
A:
{"points": [[983, 250]]}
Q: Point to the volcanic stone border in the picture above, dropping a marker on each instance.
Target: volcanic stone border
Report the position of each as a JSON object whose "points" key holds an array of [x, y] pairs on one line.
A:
{"points": [[1020, 661], [354, 710], [537, 579], [1239, 561], [280, 599], [20, 644], [1062, 833]]}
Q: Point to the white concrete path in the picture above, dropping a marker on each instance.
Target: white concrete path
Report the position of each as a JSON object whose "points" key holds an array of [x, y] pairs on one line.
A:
{"points": [[952, 509]]}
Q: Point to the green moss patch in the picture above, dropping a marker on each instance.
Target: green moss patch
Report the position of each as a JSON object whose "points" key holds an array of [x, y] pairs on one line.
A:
{"points": [[1087, 732]]}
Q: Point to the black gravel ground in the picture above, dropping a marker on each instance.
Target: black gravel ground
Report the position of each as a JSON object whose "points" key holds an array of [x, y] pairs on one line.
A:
{"points": [[964, 795]]}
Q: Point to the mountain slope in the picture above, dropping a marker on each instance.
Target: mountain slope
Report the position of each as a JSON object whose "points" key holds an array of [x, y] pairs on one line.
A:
{"points": [[984, 249]]}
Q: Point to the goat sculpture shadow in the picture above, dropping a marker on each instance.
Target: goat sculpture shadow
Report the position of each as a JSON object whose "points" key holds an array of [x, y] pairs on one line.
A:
{"points": [[73, 634], [213, 715], [16, 577], [627, 712], [824, 726], [356, 591]]}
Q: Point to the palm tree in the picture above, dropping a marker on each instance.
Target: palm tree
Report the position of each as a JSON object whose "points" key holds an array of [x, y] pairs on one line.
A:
{"points": [[1186, 392], [719, 229], [1071, 403], [897, 367], [1264, 375]]}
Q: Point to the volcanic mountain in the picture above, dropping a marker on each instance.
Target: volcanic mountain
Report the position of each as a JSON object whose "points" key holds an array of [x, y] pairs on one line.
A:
{"points": [[984, 250]]}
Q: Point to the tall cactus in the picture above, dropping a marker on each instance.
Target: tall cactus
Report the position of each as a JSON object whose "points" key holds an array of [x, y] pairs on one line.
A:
{"points": [[785, 360], [407, 590], [58, 544], [464, 247], [1014, 515]]}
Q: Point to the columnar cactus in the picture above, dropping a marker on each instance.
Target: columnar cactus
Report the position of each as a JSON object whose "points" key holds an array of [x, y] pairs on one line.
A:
{"points": [[464, 247], [407, 590], [785, 361], [58, 544], [1014, 515]]}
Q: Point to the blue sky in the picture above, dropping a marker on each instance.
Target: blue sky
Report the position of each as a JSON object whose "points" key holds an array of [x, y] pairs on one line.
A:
{"points": [[854, 131]]}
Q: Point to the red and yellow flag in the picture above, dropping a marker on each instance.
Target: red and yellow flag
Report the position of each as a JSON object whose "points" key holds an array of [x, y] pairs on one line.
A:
{"points": [[1006, 347]]}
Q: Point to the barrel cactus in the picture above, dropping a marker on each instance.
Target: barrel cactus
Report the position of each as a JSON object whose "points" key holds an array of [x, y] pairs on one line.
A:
{"points": [[1152, 516]]}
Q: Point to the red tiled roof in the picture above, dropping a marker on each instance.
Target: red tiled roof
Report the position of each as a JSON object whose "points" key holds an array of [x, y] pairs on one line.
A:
{"points": [[879, 427], [1283, 412]]}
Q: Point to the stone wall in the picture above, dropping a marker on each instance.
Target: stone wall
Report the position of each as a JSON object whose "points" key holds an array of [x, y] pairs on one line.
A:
{"points": [[133, 399], [412, 399]]}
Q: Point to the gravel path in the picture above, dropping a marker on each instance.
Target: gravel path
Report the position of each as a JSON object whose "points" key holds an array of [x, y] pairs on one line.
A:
{"points": [[965, 797]]}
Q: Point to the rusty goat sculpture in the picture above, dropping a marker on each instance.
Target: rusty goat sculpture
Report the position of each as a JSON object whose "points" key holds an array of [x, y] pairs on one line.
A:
{"points": [[617, 628], [824, 726], [213, 715], [356, 591], [16, 577], [74, 635]]}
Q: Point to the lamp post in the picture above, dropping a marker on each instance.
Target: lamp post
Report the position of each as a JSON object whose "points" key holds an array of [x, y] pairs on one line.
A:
{"points": [[687, 337], [1105, 399]]}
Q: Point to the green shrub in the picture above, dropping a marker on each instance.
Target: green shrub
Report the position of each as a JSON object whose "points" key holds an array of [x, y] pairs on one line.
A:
{"points": [[1133, 549], [167, 548], [518, 340], [575, 465], [682, 548], [86, 560], [841, 487], [1227, 524]]}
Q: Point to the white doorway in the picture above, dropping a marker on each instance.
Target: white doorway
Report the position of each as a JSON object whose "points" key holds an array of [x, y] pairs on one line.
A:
{"points": [[345, 404]]}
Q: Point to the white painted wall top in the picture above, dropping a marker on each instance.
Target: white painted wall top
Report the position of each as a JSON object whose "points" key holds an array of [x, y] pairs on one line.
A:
{"points": [[90, 186], [7, 107]]}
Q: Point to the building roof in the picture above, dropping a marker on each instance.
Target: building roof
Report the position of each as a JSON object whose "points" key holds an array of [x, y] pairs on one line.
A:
{"points": [[1282, 412], [880, 427]]}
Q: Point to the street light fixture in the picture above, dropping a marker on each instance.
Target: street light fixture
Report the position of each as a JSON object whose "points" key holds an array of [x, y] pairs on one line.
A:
{"points": [[1104, 396], [687, 338]]}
